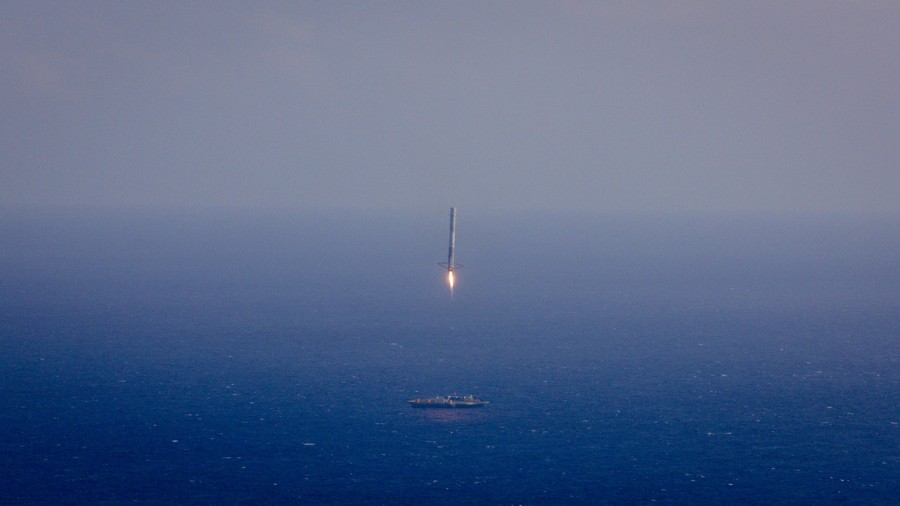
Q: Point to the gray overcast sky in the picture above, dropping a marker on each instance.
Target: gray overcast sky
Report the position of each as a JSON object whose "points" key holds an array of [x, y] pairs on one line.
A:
{"points": [[608, 105]]}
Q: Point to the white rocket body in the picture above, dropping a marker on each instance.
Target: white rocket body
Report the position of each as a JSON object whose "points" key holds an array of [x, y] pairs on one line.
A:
{"points": [[451, 264]]}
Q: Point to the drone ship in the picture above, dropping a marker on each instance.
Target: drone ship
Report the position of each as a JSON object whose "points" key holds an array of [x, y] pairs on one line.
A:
{"points": [[449, 401]]}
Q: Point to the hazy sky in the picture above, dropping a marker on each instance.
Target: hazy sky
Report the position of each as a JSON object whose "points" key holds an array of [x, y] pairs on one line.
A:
{"points": [[603, 105]]}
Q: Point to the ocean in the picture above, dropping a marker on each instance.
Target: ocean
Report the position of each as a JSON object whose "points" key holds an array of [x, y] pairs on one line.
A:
{"points": [[266, 358]]}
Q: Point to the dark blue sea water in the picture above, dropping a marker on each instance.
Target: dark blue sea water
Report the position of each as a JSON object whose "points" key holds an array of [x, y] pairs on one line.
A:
{"points": [[253, 358]]}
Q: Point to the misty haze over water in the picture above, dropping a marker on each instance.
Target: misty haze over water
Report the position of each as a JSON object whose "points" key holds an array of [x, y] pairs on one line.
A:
{"points": [[263, 357]]}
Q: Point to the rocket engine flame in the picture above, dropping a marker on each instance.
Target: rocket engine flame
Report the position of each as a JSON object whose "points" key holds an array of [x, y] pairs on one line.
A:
{"points": [[450, 279]]}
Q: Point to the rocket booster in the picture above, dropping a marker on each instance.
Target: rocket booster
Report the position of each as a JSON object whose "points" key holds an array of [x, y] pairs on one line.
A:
{"points": [[450, 252], [451, 263]]}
